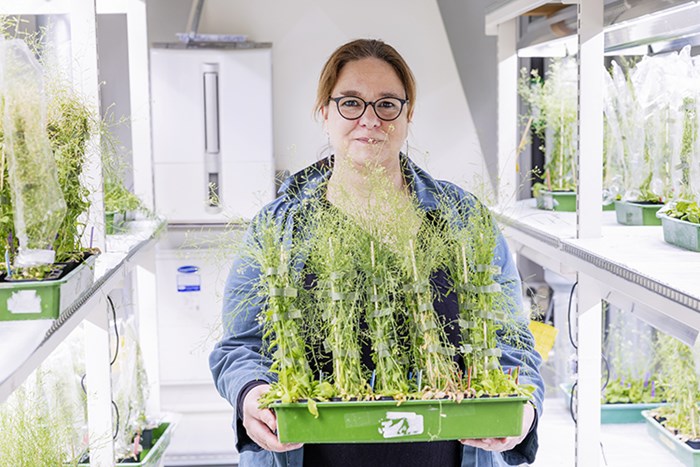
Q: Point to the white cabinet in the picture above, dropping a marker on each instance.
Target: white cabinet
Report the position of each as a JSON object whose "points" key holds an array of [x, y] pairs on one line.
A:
{"points": [[212, 132]]}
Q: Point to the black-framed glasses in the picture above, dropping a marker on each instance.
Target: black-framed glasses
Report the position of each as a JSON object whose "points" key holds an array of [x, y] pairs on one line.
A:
{"points": [[352, 107]]}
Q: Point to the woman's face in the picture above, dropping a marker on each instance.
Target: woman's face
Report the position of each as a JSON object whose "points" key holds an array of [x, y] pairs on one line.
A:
{"points": [[367, 140]]}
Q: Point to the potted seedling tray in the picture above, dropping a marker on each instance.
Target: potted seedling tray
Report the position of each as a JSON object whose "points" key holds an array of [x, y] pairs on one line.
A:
{"points": [[557, 200], [47, 298], [615, 413], [681, 233], [385, 421], [683, 451], [152, 455], [629, 213]]}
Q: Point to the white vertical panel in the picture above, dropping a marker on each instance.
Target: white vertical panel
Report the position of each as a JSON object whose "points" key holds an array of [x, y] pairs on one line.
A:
{"points": [[589, 342], [85, 81], [590, 146], [145, 308], [507, 112], [98, 384]]}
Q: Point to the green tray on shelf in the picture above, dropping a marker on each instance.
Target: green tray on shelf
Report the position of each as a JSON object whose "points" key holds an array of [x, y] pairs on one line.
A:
{"points": [[684, 453], [152, 457], [556, 200], [22, 300], [681, 233], [385, 421], [616, 413], [629, 213]]}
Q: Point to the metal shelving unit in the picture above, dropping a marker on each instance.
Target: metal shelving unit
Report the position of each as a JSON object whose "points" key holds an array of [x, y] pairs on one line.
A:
{"points": [[661, 288], [128, 260]]}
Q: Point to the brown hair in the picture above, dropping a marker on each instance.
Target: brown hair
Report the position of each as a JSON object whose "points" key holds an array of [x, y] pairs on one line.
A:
{"points": [[356, 50]]}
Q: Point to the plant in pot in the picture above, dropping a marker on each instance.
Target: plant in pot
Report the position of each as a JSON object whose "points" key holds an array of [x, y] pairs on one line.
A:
{"points": [[642, 126], [679, 420], [681, 217], [44, 128], [43, 422], [353, 302], [633, 381], [552, 105], [119, 202]]}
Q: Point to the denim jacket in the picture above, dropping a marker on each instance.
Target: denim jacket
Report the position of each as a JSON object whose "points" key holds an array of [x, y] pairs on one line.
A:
{"points": [[237, 359]]}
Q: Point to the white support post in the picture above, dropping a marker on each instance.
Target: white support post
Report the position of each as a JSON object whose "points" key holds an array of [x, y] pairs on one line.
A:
{"points": [[98, 384], [590, 131], [507, 113], [139, 92], [83, 25], [145, 308], [588, 320]]}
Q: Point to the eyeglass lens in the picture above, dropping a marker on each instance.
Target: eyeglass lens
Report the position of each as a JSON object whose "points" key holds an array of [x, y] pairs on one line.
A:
{"points": [[386, 108]]}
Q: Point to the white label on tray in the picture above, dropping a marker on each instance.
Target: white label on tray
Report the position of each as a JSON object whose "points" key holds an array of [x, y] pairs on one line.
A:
{"points": [[398, 424], [24, 302]]}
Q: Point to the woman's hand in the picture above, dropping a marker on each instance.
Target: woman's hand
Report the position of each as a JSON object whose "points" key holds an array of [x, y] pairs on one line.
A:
{"points": [[261, 424], [505, 444]]}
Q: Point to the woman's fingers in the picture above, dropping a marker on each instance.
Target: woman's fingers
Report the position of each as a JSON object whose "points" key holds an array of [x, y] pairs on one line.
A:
{"points": [[261, 424]]}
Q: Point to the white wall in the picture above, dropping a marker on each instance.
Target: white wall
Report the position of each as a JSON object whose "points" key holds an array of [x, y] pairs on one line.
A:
{"points": [[304, 33]]}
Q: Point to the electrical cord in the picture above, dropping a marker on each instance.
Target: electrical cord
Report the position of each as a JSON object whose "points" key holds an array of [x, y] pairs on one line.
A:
{"points": [[114, 359], [574, 386], [571, 299], [116, 330]]}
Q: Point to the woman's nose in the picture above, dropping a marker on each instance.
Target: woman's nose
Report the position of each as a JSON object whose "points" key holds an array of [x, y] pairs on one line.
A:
{"points": [[369, 118]]}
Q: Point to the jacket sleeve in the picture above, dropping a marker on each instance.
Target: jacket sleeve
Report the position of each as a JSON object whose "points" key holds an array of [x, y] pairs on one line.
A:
{"points": [[238, 359], [518, 350]]}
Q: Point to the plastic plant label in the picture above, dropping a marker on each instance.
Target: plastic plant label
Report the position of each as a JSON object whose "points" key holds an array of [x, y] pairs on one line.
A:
{"points": [[397, 424], [24, 302]]}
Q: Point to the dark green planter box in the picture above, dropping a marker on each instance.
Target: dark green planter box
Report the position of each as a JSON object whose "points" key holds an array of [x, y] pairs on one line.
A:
{"points": [[389, 421], [682, 452], [629, 213], [23, 300], [681, 233], [151, 457], [616, 413], [557, 200]]}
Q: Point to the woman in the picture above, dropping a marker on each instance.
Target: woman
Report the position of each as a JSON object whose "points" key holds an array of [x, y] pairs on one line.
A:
{"points": [[366, 96]]}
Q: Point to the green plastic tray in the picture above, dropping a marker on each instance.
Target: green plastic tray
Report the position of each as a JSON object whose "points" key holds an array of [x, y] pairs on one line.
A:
{"points": [[681, 233], [637, 213], [557, 200], [388, 421], [684, 453], [44, 299], [151, 457], [616, 413]]}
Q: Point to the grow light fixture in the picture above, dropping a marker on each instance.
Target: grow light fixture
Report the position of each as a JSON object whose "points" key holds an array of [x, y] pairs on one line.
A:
{"points": [[631, 28], [664, 323]]}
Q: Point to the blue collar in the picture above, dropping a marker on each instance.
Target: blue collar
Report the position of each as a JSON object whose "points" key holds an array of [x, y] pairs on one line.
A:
{"points": [[307, 183]]}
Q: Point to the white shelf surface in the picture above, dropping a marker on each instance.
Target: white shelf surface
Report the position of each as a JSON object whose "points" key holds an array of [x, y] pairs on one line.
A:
{"points": [[622, 445], [25, 344], [634, 261]]}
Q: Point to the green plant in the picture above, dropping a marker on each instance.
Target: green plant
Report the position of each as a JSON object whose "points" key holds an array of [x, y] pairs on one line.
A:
{"points": [[682, 415], [37, 202], [552, 105], [632, 391], [684, 210], [68, 124], [282, 318], [483, 305], [38, 424]]}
